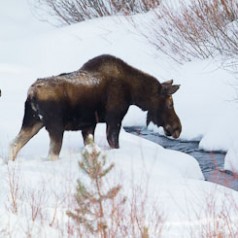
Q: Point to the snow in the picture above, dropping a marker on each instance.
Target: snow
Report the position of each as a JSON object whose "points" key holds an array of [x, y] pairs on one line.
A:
{"points": [[16, 21], [206, 105]]}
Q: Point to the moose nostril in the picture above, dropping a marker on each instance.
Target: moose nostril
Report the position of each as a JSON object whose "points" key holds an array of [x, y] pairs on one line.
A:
{"points": [[168, 128]]}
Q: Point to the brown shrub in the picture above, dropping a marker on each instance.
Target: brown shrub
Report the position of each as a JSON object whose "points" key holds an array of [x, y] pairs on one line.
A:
{"points": [[72, 11], [200, 29]]}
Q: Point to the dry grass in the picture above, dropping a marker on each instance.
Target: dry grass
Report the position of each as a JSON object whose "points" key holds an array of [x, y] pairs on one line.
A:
{"points": [[219, 216], [73, 11], [201, 29], [132, 215], [15, 193]]}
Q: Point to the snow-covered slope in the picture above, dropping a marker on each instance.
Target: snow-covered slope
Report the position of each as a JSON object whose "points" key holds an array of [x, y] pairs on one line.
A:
{"points": [[30, 49], [17, 21]]}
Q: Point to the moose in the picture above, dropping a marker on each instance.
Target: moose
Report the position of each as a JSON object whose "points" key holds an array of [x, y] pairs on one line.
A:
{"points": [[100, 91]]}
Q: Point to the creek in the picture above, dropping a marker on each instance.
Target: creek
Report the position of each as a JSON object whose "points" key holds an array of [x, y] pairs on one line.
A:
{"points": [[211, 163]]}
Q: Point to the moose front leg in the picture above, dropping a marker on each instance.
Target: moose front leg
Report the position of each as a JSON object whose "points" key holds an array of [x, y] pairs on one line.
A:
{"points": [[113, 130], [87, 131]]}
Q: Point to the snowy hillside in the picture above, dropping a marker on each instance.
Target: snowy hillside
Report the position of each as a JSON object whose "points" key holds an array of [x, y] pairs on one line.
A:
{"points": [[30, 49]]}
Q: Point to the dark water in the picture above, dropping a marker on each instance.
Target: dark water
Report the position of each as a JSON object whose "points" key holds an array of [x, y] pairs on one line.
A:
{"points": [[211, 163]]}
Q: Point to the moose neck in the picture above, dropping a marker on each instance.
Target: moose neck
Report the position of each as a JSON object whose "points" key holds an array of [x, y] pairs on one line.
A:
{"points": [[145, 89]]}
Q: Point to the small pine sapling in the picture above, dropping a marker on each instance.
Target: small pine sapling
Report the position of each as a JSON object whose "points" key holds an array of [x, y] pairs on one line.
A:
{"points": [[92, 212]]}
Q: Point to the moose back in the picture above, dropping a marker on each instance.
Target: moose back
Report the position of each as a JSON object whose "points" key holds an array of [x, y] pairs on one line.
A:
{"points": [[100, 91]]}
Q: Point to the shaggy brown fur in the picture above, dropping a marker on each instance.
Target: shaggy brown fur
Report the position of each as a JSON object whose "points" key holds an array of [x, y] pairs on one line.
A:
{"points": [[101, 91]]}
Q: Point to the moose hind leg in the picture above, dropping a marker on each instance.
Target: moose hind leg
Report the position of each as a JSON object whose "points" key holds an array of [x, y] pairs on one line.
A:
{"points": [[56, 138], [25, 134]]}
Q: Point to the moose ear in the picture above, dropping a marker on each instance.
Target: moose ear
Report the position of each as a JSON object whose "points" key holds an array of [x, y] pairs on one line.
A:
{"points": [[168, 88], [173, 89], [169, 82]]}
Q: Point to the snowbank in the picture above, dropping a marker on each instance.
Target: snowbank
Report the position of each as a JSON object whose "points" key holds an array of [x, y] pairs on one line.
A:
{"points": [[30, 49]]}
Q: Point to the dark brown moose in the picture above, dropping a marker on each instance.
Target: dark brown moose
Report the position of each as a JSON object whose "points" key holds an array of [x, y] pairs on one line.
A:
{"points": [[101, 91]]}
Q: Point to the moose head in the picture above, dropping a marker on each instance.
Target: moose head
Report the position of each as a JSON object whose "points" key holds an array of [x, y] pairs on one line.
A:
{"points": [[162, 112]]}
